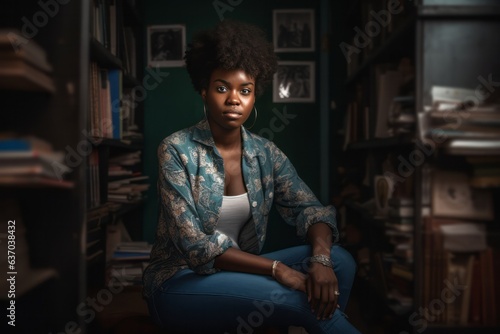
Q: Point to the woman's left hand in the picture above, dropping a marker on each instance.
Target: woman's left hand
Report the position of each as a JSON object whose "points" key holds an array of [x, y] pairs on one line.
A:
{"points": [[322, 290]]}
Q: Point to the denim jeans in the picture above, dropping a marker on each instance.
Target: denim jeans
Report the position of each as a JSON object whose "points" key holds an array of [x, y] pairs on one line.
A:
{"points": [[233, 302]]}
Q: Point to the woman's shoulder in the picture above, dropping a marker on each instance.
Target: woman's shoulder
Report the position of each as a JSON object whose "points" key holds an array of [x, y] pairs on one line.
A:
{"points": [[258, 140], [179, 138], [263, 145]]}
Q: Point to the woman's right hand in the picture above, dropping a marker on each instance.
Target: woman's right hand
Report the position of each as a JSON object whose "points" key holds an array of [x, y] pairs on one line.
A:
{"points": [[290, 277]]}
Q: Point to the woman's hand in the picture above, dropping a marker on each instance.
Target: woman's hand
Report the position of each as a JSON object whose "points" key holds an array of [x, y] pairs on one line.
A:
{"points": [[321, 288], [290, 277]]}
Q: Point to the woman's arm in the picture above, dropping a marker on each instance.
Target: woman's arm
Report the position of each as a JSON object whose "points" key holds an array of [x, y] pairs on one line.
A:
{"points": [[321, 284], [234, 259], [180, 224]]}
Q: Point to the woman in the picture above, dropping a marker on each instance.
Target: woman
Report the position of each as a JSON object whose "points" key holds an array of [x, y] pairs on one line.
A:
{"points": [[217, 183]]}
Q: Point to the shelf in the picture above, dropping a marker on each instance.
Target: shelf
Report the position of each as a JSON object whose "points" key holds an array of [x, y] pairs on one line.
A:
{"points": [[458, 12], [100, 54], [117, 143], [126, 208], [34, 181], [381, 143]]}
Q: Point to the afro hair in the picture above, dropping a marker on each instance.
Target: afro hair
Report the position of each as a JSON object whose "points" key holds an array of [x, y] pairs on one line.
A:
{"points": [[231, 45]]}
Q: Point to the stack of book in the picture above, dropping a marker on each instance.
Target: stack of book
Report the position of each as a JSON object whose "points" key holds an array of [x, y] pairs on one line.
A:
{"points": [[128, 190], [31, 160], [128, 262], [127, 184], [462, 121], [399, 232], [402, 116], [400, 214], [23, 63]]}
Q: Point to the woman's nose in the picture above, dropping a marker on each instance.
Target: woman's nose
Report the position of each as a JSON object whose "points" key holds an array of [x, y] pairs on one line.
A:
{"points": [[233, 99]]}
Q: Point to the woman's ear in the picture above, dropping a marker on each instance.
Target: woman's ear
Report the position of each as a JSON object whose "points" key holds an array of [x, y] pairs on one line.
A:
{"points": [[203, 94]]}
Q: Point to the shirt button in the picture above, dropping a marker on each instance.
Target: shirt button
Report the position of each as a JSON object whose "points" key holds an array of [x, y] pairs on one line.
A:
{"points": [[271, 194], [254, 204]]}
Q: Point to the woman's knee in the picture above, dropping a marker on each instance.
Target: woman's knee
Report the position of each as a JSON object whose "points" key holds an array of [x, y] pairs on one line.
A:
{"points": [[343, 262]]}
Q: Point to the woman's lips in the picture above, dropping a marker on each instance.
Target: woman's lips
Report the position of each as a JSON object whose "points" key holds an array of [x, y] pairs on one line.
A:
{"points": [[232, 114]]}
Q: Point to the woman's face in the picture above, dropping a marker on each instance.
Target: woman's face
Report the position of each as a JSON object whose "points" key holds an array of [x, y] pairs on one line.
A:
{"points": [[229, 98]]}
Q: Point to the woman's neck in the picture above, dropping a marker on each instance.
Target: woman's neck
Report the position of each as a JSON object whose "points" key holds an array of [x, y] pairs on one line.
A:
{"points": [[226, 139]]}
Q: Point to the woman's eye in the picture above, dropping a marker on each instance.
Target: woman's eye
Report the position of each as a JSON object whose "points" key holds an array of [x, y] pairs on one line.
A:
{"points": [[221, 89], [246, 91]]}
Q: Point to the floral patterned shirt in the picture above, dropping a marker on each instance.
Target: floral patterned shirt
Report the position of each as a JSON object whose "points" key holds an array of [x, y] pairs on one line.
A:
{"points": [[191, 187]]}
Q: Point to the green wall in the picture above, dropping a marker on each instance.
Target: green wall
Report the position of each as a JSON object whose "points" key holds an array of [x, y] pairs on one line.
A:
{"points": [[174, 104]]}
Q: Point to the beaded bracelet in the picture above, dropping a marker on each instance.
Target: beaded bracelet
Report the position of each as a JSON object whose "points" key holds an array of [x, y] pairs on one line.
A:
{"points": [[322, 259]]}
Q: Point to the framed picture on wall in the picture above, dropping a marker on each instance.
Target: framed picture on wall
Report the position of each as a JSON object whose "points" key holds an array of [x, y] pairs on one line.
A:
{"points": [[293, 30], [294, 82], [166, 45]]}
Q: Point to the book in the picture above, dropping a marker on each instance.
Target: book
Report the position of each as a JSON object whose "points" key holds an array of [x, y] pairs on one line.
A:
{"points": [[444, 97], [388, 85], [472, 146], [23, 76], [459, 270], [115, 88], [34, 181], [10, 59], [452, 196], [29, 144], [464, 237], [14, 46]]}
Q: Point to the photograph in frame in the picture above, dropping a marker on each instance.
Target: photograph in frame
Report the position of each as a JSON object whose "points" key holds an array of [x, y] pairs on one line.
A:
{"points": [[294, 82], [166, 45], [293, 30]]}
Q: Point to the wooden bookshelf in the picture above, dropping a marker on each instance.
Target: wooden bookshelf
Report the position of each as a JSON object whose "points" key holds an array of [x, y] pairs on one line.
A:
{"points": [[114, 144], [55, 212], [431, 37]]}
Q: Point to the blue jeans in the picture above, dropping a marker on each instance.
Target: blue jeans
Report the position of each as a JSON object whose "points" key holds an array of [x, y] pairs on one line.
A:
{"points": [[233, 302]]}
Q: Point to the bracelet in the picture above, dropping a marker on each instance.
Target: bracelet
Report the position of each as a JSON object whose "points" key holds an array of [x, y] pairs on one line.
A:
{"points": [[275, 264], [322, 259]]}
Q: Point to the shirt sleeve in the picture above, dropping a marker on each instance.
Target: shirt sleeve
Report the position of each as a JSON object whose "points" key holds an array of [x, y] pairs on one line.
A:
{"points": [[182, 224], [295, 201]]}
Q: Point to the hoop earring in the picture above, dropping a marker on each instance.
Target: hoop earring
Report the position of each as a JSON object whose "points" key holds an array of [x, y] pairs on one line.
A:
{"points": [[254, 120], [204, 110]]}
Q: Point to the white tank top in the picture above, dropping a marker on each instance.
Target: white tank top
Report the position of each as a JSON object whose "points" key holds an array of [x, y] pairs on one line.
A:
{"points": [[234, 213]]}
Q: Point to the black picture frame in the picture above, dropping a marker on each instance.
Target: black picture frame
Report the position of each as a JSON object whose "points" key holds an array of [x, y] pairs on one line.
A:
{"points": [[166, 45], [293, 30]]}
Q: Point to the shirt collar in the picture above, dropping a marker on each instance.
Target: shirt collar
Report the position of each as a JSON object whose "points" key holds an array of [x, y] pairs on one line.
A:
{"points": [[203, 135]]}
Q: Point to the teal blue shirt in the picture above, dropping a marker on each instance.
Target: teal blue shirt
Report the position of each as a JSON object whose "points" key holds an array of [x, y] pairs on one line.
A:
{"points": [[191, 188]]}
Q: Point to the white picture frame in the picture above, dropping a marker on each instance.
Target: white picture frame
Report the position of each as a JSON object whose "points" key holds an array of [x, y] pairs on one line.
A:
{"points": [[293, 30], [294, 81], [166, 45]]}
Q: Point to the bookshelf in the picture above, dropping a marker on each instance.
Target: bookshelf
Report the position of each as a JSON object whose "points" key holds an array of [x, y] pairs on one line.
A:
{"points": [[46, 55], [443, 187], [117, 185]]}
